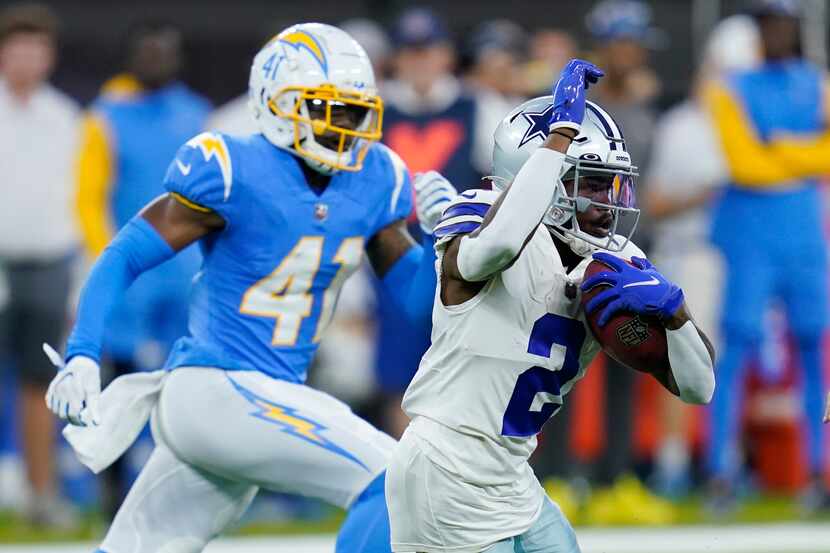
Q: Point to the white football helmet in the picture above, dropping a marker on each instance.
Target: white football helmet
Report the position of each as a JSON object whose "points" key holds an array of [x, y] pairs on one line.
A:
{"points": [[597, 151], [312, 92]]}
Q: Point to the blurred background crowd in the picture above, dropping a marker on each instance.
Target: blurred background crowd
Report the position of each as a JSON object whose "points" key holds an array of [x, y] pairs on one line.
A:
{"points": [[96, 97]]}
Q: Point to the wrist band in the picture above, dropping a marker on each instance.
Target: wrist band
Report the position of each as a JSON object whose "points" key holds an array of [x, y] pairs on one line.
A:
{"points": [[560, 133]]}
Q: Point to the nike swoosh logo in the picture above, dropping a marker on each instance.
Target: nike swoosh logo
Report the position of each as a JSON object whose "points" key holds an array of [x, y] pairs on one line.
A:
{"points": [[652, 282], [185, 169]]}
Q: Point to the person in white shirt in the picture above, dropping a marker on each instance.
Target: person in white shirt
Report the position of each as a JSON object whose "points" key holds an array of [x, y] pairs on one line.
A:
{"points": [[38, 141]]}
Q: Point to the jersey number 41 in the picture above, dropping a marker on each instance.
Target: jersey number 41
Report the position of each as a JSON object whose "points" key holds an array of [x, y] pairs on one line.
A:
{"points": [[285, 294]]}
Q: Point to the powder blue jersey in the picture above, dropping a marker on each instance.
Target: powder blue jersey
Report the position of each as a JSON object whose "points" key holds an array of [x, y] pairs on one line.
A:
{"points": [[269, 281]]}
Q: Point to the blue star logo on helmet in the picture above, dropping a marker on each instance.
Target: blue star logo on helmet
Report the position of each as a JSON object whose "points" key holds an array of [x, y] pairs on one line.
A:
{"points": [[538, 124], [301, 40]]}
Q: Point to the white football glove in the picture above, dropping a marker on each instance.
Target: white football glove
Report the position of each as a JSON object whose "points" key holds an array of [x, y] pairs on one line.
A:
{"points": [[74, 393], [432, 194]]}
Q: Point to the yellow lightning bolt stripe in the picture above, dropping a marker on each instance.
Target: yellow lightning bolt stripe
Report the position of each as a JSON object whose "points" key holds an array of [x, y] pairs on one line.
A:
{"points": [[301, 38], [295, 425], [300, 426], [213, 146]]}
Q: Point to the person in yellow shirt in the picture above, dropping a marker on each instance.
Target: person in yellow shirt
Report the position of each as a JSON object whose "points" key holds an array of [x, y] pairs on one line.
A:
{"points": [[772, 122], [130, 133]]}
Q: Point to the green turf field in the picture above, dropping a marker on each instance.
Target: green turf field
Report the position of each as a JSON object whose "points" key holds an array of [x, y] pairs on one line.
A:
{"points": [[766, 509]]}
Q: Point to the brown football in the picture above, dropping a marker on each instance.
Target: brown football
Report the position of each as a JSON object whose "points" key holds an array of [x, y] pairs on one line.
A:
{"points": [[636, 341]]}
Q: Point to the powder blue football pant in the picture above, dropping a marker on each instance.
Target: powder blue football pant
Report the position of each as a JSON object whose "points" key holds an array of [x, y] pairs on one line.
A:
{"points": [[755, 278], [551, 533]]}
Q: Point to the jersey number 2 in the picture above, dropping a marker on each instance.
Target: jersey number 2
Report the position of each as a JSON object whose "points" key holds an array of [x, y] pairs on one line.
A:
{"points": [[537, 395], [285, 294]]}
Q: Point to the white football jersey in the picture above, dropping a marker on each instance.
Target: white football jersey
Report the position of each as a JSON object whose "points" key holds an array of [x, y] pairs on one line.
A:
{"points": [[500, 363]]}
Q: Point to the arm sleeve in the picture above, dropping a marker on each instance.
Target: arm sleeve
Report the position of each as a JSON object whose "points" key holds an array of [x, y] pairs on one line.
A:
{"points": [[201, 175], [412, 281], [136, 248], [759, 164], [94, 178], [691, 364], [526, 202]]}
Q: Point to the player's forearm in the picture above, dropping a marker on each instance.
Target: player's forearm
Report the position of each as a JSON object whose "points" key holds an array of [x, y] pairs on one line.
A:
{"points": [[502, 237], [135, 249], [691, 358], [411, 283]]}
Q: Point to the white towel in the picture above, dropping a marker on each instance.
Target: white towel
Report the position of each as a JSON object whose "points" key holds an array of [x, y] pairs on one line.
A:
{"points": [[125, 406]]}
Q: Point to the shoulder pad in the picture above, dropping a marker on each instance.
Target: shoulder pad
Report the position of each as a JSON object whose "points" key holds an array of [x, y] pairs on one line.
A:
{"points": [[212, 146], [201, 174], [464, 214], [399, 170]]}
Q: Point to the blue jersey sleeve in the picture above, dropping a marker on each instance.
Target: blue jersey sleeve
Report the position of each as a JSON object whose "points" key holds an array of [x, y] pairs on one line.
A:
{"points": [[201, 175], [397, 204]]}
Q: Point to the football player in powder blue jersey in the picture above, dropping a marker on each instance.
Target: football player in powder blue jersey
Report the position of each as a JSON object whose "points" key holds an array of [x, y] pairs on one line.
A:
{"points": [[282, 217]]}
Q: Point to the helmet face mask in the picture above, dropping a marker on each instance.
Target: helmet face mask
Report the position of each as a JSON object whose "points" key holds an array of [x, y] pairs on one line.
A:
{"points": [[594, 204], [331, 127], [312, 92], [603, 197]]}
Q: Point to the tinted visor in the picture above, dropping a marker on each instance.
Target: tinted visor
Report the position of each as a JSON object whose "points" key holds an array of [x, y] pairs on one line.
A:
{"points": [[602, 186], [339, 114]]}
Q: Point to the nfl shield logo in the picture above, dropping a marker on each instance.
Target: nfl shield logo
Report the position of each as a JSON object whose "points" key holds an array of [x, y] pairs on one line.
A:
{"points": [[633, 333], [321, 211]]}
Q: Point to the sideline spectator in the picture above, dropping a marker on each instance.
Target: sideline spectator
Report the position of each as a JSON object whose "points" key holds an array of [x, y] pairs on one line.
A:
{"points": [[769, 226], [430, 120], [131, 133], [433, 124], [550, 50], [374, 39], [687, 168], [38, 140], [494, 55], [622, 32]]}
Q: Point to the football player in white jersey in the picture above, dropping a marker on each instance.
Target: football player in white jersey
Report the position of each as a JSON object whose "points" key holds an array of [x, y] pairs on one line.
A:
{"points": [[509, 338]]}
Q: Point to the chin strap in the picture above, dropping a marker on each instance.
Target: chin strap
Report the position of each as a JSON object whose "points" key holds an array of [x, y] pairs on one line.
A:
{"points": [[579, 246]]}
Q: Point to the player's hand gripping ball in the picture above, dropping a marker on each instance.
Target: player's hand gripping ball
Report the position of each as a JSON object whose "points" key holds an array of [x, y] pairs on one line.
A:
{"points": [[626, 305]]}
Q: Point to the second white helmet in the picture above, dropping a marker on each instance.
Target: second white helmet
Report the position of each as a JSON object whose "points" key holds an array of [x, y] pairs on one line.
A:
{"points": [[598, 150]]}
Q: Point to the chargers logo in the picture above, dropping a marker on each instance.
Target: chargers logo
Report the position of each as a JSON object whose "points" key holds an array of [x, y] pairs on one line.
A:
{"points": [[301, 40], [292, 423], [213, 146]]}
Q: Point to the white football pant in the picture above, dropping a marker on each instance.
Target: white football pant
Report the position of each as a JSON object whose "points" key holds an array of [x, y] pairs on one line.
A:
{"points": [[221, 435]]}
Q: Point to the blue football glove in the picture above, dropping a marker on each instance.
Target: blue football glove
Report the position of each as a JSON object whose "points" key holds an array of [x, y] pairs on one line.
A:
{"points": [[569, 94], [639, 289]]}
